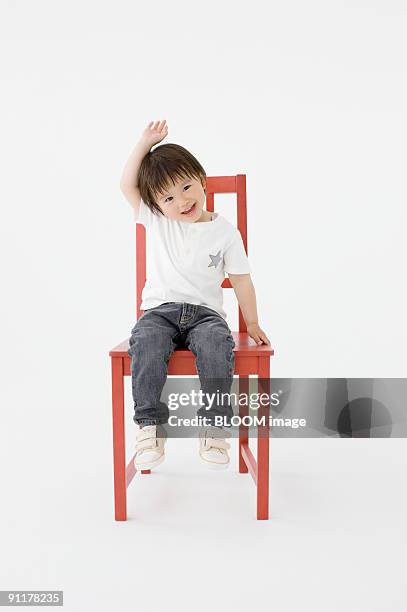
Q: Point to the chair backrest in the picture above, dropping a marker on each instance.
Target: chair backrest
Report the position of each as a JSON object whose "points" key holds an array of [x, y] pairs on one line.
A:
{"points": [[214, 184]]}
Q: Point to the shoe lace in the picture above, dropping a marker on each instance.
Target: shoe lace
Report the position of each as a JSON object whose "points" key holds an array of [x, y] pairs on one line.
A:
{"points": [[213, 441]]}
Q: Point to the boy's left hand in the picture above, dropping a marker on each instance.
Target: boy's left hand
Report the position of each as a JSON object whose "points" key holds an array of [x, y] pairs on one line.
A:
{"points": [[257, 334]]}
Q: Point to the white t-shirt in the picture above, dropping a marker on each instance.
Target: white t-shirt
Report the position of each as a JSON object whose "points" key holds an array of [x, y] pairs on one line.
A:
{"points": [[186, 262]]}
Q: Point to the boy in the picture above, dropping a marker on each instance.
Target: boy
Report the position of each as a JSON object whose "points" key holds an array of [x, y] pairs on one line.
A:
{"points": [[188, 251]]}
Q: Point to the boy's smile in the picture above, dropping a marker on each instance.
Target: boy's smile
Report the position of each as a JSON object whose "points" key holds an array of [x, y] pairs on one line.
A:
{"points": [[185, 201]]}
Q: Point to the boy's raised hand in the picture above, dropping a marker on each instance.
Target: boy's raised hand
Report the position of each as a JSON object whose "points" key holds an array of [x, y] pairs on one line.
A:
{"points": [[154, 132]]}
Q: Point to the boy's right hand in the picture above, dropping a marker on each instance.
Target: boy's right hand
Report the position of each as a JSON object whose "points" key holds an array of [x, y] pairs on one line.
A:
{"points": [[154, 133]]}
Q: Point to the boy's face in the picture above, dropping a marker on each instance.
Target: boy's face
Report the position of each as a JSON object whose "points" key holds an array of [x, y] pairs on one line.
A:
{"points": [[185, 195]]}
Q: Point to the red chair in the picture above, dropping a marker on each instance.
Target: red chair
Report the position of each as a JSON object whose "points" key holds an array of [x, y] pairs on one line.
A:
{"points": [[250, 358]]}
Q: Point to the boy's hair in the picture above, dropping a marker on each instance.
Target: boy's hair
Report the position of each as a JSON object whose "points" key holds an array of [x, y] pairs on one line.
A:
{"points": [[164, 165]]}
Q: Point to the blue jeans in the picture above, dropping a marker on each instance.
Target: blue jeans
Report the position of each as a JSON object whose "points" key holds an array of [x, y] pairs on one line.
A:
{"points": [[154, 337]]}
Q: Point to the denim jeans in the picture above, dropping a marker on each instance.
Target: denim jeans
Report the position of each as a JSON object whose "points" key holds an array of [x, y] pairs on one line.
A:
{"points": [[154, 337]]}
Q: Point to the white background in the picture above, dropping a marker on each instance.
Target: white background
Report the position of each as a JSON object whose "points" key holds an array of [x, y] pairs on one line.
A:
{"points": [[308, 99]]}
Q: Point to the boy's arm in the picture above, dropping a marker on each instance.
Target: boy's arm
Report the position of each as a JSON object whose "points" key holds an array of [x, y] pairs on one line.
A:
{"points": [[152, 134], [129, 179], [246, 296]]}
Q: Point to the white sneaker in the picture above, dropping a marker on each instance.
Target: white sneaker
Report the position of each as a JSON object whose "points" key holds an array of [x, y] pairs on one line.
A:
{"points": [[149, 448], [213, 448]]}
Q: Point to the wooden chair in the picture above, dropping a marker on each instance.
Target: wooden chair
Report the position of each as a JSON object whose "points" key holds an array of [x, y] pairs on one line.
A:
{"points": [[250, 358]]}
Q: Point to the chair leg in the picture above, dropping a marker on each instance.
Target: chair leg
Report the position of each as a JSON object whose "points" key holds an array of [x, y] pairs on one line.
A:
{"points": [[263, 444], [119, 451], [243, 383]]}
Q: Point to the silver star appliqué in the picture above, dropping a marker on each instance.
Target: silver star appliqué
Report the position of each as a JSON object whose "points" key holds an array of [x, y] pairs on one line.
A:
{"points": [[215, 259]]}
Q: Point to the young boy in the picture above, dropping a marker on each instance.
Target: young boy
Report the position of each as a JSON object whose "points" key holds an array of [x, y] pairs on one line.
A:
{"points": [[189, 250]]}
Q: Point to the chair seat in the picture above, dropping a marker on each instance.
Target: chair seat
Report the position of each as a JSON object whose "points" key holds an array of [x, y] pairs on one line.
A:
{"points": [[182, 360], [244, 346]]}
